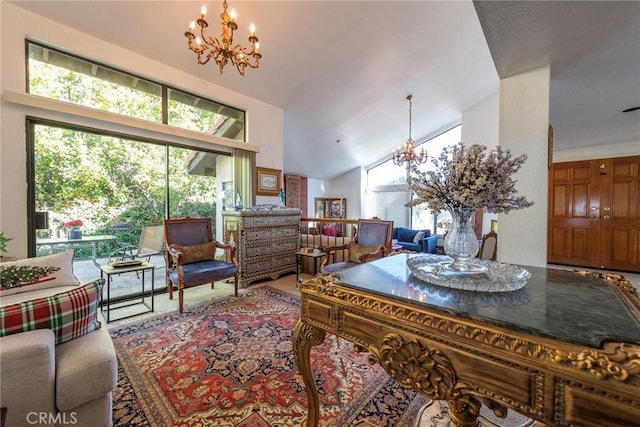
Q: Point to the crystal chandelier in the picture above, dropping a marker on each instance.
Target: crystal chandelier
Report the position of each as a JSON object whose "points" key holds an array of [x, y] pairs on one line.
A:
{"points": [[221, 50], [408, 154]]}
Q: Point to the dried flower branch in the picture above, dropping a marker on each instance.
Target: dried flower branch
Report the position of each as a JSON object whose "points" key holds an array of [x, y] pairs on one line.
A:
{"points": [[467, 177]]}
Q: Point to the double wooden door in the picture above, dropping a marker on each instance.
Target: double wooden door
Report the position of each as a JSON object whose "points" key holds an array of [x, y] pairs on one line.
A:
{"points": [[594, 214]]}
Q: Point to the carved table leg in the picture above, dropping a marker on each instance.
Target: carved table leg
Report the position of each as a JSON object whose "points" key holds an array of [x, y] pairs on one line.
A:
{"points": [[306, 336], [464, 412]]}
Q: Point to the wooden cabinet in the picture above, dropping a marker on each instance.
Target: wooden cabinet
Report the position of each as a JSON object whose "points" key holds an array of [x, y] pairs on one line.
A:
{"points": [[266, 242], [594, 213]]}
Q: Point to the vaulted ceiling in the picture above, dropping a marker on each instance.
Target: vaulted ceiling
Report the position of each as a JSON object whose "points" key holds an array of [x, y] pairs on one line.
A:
{"points": [[341, 70]]}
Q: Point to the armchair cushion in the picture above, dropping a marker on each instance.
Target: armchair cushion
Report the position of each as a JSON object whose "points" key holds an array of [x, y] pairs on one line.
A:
{"points": [[197, 253], [204, 271], [68, 314], [356, 251]]}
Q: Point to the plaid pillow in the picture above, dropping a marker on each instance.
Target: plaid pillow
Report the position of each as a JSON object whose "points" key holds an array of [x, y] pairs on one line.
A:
{"points": [[69, 314], [356, 251], [195, 253]]}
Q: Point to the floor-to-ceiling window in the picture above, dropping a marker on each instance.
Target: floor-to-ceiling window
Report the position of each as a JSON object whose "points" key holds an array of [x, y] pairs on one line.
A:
{"points": [[387, 190], [113, 185], [115, 182]]}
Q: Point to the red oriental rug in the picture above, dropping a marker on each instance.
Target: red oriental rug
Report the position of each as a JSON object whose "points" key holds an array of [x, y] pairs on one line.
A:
{"points": [[230, 363]]}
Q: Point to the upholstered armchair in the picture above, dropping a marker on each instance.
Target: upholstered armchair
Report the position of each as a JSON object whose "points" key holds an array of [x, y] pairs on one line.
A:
{"points": [[191, 256], [372, 241]]}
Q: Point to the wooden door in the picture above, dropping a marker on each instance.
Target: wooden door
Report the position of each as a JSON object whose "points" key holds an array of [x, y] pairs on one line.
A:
{"points": [[574, 208], [594, 214], [620, 213]]}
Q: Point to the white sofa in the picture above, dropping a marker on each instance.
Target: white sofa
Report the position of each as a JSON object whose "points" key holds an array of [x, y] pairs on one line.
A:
{"points": [[47, 384]]}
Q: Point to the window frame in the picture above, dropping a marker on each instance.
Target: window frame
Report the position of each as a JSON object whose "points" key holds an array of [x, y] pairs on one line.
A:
{"points": [[164, 88]]}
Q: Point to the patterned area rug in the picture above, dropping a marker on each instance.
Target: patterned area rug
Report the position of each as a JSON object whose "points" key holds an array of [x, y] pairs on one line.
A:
{"points": [[230, 363]]}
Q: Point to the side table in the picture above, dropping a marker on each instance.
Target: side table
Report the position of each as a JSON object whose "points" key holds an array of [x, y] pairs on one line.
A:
{"points": [[316, 255], [110, 270]]}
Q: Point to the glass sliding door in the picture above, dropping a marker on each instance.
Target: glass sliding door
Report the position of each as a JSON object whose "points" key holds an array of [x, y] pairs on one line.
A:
{"points": [[192, 184], [111, 185], [114, 186]]}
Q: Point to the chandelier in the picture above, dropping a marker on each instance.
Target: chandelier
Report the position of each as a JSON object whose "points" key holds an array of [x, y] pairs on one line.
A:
{"points": [[221, 50], [408, 154]]}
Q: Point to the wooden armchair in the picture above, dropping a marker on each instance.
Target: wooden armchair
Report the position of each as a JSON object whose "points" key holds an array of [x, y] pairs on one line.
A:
{"points": [[191, 260], [372, 241]]}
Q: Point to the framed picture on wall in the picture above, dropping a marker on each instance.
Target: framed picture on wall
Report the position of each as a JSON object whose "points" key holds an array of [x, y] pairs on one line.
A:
{"points": [[268, 181]]}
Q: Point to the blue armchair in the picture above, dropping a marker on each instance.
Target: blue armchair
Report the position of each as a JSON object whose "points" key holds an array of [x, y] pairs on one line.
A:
{"points": [[191, 256], [406, 238]]}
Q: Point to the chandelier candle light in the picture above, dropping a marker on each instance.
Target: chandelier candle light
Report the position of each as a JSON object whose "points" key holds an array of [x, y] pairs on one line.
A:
{"points": [[222, 50], [409, 154]]}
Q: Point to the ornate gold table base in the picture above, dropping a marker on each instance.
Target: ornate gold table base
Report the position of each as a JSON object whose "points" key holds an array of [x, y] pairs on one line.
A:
{"points": [[468, 363]]}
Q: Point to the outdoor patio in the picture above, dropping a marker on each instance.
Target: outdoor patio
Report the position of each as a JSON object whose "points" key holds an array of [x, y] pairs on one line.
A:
{"points": [[122, 285]]}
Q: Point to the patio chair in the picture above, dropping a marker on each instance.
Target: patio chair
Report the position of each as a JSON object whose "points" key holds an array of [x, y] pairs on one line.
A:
{"points": [[191, 256], [372, 241], [151, 243]]}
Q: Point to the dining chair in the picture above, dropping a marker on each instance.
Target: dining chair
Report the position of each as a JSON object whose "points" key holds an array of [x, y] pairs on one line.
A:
{"points": [[489, 246]]}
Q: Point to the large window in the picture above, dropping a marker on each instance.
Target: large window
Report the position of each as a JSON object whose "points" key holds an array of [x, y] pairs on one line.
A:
{"points": [[64, 77], [387, 190], [115, 185]]}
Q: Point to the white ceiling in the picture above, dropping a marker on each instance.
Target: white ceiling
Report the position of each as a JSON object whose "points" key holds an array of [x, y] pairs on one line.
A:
{"points": [[341, 70], [594, 51]]}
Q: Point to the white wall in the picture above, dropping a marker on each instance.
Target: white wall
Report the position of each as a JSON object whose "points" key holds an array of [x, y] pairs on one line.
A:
{"points": [[480, 125], [623, 149], [316, 188], [265, 122], [350, 186], [524, 122]]}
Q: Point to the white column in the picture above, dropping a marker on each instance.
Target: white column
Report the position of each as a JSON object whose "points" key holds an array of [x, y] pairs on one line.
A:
{"points": [[524, 122]]}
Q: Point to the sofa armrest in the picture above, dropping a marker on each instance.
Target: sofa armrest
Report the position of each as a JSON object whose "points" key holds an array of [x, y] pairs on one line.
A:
{"points": [[27, 368], [429, 244]]}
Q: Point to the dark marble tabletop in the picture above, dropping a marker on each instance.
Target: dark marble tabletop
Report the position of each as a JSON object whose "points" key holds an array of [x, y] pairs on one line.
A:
{"points": [[557, 304]]}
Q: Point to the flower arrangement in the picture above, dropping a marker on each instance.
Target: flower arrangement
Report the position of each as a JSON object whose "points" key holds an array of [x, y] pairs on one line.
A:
{"points": [[74, 223], [465, 177]]}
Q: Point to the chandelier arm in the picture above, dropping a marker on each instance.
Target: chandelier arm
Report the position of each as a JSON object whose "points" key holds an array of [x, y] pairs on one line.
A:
{"points": [[207, 57]]}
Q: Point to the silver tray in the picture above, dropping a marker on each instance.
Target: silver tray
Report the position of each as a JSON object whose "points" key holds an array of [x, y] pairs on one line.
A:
{"points": [[491, 276]]}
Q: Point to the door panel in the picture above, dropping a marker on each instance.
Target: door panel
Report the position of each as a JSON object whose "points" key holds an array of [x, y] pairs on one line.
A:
{"points": [[621, 213], [594, 214], [574, 207]]}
